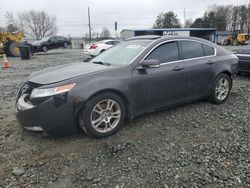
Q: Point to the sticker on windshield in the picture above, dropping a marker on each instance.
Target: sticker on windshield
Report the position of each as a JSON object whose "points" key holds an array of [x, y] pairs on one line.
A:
{"points": [[133, 46]]}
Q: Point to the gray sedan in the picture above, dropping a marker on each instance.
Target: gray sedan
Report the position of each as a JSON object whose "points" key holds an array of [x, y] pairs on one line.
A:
{"points": [[135, 77]]}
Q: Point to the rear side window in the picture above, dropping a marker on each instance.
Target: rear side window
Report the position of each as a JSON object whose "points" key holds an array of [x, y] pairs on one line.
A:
{"points": [[109, 43], [115, 42], [208, 50], [191, 49], [165, 53]]}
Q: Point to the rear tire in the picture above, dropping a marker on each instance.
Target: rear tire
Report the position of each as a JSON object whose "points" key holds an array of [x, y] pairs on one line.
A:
{"points": [[103, 115], [221, 89], [13, 49], [226, 42], [65, 45]]}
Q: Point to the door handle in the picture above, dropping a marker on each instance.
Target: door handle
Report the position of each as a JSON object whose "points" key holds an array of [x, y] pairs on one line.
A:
{"points": [[178, 68], [210, 62]]}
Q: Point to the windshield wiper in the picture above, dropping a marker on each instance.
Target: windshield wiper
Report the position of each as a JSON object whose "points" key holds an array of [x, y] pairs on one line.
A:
{"points": [[101, 63]]}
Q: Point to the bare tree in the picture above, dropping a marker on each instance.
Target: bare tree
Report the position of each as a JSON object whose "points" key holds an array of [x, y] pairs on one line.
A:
{"points": [[2, 29], [11, 28], [33, 23], [188, 23], [105, 33]]}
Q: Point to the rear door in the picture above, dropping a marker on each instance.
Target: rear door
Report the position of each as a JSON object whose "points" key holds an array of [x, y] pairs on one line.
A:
{"points": [[162, 86], [52, 43], [59, 42], [199, 59]]}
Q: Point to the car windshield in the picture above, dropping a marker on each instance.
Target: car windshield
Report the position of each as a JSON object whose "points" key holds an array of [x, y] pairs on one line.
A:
{"points": [[123, 53], [44, 39]]}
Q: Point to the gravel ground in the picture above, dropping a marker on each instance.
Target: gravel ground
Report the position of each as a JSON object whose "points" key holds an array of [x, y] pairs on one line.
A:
{"points": [[195, 145]]}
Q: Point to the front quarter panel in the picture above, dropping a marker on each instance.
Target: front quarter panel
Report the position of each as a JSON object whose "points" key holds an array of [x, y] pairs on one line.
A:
{"points": [[117, 79]]}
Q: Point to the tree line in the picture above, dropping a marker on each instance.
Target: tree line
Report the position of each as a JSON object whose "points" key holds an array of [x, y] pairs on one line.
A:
{"points": [[221, 17], [38, 24]]}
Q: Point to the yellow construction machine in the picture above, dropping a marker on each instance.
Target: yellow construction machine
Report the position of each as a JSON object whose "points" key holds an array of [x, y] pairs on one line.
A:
{"points": [[10, 42], [236, 39]]}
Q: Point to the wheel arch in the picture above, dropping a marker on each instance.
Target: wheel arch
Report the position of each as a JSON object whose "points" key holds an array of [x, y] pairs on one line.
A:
{"points": [[128, 115], [227, 72]]}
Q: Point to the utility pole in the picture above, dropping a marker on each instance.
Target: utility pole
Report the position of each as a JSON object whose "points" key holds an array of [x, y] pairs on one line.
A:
{"points": [[89, 25], [184, 15]]}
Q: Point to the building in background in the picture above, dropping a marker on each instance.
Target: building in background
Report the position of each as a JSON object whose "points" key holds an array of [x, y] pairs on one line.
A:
{"points": [[206, 33]]}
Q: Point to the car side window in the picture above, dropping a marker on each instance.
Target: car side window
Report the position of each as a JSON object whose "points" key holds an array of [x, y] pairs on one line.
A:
{"points": [[191, 49], [165, 53], [208, 50], [115, 42], [109, 43], [52, 39]]}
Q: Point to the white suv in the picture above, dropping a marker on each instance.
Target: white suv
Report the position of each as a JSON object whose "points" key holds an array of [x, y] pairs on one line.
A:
{"points": [[96, 48]]}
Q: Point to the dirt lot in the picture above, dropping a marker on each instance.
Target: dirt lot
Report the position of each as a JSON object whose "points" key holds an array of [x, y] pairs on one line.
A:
{"points": [[196, 145]]}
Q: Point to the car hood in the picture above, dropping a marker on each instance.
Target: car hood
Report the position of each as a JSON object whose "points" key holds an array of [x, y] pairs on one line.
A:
{"points": [[64, 72]]}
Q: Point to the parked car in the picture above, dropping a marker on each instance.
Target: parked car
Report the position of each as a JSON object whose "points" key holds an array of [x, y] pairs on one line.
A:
{"points": [[99, 47], [132, 78], [244, 60], [49, 43]]}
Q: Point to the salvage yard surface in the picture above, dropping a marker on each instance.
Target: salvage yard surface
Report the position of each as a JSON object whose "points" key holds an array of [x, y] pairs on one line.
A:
{"points": [[194, 145]]}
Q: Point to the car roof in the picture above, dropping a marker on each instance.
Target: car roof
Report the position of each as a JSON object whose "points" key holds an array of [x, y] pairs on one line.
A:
{"points": [[143, 37], [107, 40], [157, 38]]}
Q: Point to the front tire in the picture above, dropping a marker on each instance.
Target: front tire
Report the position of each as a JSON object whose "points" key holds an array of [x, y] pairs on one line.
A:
{"points": [[221, 89], [103, 115]]}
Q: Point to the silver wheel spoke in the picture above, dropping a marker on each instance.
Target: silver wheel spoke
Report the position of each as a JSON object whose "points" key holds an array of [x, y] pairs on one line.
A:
{"points": [[110, 104], [97, 122], [116, 115], [98, 109], [108, 125], [222, 89], [105, 115]]}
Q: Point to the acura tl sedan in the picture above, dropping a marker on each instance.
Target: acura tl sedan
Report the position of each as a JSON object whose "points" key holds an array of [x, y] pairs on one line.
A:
{"points": [[137, 76]]}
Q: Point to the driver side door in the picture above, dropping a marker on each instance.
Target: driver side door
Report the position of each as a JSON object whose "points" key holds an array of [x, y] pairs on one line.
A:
{"points": [[163, 86]]}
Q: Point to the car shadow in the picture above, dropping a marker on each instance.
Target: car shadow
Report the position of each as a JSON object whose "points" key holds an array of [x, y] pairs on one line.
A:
{"points": [[245, 75]]}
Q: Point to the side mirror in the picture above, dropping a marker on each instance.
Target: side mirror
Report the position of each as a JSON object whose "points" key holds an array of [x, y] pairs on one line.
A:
{"points": [[151, 63]]}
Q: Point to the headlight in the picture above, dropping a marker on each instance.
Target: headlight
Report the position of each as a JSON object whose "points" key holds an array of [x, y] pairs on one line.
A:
{"points": [[36, 93]]}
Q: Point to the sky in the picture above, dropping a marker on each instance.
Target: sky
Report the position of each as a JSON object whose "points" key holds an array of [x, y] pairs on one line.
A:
{"points": [[72, 15]]}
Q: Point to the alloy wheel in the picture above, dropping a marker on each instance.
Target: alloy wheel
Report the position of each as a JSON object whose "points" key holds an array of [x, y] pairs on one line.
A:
{"points": [[106, 115], [222, 88]]}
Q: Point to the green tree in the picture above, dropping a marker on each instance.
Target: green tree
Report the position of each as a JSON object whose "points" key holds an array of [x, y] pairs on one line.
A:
{"points": [[197, 23], [167, 20]]}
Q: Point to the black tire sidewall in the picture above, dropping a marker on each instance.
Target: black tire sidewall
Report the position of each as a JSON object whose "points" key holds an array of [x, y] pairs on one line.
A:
{"points": [[10, 51], [65, 45], [213, 97], [88, 128]]}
